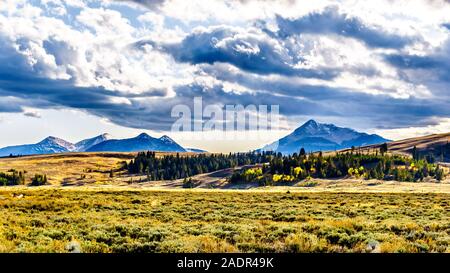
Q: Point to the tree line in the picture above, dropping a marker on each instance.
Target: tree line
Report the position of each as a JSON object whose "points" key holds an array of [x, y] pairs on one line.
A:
{"points": [[276, 167], [299, 166], [170, 167], [440, 153]]}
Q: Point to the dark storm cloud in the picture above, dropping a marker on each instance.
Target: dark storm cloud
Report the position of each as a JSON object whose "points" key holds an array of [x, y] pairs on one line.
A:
{"points": [[330, 21], [415, 61], [288, 105], [255, 53], [9, 105], [32, 114], [321, 100], [151, 4], [21, 86], [155, 4], [264, 52], [46, 93], [156, 114], [26, 88], [433, 67]]}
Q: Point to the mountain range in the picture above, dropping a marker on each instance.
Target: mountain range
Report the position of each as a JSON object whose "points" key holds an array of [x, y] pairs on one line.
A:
{"points": [[101, 143], [140, 143], [314, 136]]}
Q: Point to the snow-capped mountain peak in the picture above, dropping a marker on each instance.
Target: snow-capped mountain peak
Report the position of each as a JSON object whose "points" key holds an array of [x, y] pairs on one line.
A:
{"points": [[314, 136], [143, 136], [54, 141], [310, 123], [85, 144], [166, 139], [48, 145], [100, 143], [142, 142]]}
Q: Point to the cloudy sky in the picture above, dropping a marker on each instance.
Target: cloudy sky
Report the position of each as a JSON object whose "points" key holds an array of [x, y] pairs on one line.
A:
{"points": [[78, 68]]}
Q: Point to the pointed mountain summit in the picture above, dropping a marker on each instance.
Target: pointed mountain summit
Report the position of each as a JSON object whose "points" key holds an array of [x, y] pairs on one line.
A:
{"points": [[84, 145], [314, 136], [310, 123], [142, 142], [166, 139], [54, 141], [143, 136]]}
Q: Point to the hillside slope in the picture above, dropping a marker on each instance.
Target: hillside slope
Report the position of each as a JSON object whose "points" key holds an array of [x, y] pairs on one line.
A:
{"points": [[436, 145]]}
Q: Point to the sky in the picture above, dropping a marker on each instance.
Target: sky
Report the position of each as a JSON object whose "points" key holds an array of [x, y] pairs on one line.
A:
{"points": [[79, 68]]}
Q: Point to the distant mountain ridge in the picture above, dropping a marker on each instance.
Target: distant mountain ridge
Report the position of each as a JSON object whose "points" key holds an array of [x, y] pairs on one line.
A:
{"points": [[101, 143], [314, 136], [195, 150], [140, 143], [48, 145]]}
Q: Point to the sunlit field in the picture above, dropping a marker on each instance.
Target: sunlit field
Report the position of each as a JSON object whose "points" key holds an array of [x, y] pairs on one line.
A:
{"points": [[94, 220], [68, 169]]}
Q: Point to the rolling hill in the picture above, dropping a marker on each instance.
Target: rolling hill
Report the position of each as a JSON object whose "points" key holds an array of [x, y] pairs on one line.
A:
{"points": [[436, 145]]}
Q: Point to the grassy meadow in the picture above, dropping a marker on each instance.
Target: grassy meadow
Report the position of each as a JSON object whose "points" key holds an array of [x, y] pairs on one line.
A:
{"points": [[100, 220], [68, 169]]}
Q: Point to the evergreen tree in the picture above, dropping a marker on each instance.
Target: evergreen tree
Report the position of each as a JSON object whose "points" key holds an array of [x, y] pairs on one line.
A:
{"points": [[415, 153], [302, 152], [383, 148]]}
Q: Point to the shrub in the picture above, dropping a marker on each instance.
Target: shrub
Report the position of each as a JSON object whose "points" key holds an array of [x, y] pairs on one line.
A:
{"points": [[39, 180], [188, 183], [303, 242]]}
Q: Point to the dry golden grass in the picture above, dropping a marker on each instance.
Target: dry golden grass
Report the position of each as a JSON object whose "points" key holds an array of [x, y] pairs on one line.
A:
{"points": [[109, 215], [74, 169], [92, 169], [68, 169], [100, 220]]}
